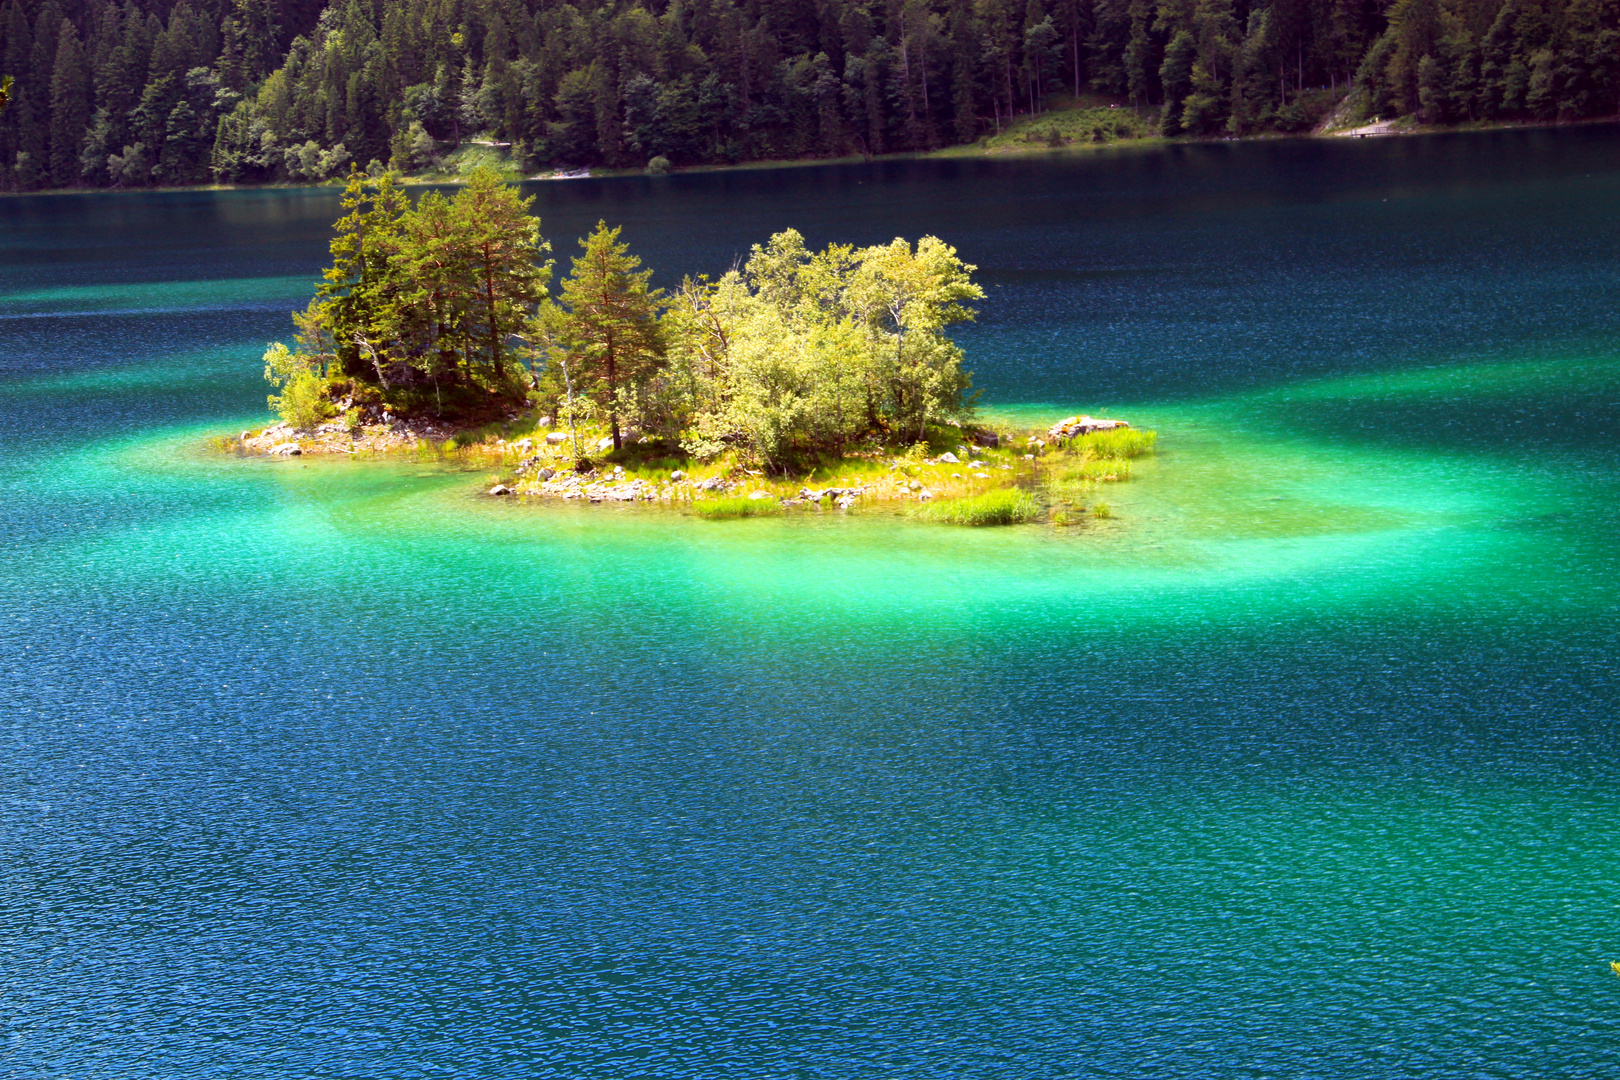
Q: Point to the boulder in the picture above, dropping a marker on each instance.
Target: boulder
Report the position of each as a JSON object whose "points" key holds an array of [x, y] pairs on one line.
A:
{"points": [[604, 443], [759, 495], [545, 474], [846, 502], [524, 445], [286, 449], [713, 483], [500, 489], [915, 485], [949, 458], [544, 421], [986, 438], [975, 464], [556, 438], [925, 495], [677, 475]]}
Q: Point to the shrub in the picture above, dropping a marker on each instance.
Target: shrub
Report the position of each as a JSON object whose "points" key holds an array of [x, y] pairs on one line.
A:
{"points": [[737, 506], [658, 166], [1102, 510], [1006, 506], [303, 402]]}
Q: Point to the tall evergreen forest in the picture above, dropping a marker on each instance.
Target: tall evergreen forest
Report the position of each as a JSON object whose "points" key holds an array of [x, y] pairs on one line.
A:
{"points": [[130, 93]]}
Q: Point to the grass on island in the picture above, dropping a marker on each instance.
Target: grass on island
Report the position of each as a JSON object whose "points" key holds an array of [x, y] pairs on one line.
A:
{"points": [[1004, 506], [739, 506]]}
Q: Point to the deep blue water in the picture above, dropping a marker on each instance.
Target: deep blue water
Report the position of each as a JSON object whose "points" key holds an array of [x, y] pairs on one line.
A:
{"points": [[1303, 766]]}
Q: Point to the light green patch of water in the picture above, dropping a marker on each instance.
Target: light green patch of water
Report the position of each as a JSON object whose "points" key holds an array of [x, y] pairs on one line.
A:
{"points": [[156, 296]]}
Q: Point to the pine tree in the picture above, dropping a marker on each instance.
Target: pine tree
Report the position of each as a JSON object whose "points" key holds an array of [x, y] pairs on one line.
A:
{"points": [[610, 324], [70, 106]]}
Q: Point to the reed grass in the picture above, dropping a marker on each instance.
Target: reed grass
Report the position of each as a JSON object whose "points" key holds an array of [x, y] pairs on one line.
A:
{"points": [[1094, 470], [737, 506], [1118, 444], [1004, 506]]}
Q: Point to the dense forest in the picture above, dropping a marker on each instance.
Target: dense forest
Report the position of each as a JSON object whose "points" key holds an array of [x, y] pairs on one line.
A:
{"points": [[142, 92]]}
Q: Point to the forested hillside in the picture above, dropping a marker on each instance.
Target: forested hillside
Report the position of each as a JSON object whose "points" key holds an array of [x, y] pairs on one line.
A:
{"points": [[146, 92]]}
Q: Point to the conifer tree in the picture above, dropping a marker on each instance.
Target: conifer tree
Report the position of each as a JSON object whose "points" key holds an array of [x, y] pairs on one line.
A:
{"points": [[609, 324], [70, 105]]}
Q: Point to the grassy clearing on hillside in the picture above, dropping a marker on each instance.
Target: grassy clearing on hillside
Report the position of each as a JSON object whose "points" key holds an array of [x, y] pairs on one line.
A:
{"points": [[1089, 125]]}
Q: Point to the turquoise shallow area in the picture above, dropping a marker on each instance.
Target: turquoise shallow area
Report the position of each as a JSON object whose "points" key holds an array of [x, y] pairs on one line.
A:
{"points": [[1301, 765]]}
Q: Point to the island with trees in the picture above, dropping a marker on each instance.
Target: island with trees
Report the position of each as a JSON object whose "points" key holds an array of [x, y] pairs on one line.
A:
{"points": [[798, 378]]}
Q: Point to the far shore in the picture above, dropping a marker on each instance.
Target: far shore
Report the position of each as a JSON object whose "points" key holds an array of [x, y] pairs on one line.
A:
{"points": [[1382, 128]]}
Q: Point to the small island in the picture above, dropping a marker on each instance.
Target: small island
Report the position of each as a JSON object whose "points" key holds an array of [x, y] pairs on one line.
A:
{"points": [[797, 379]]}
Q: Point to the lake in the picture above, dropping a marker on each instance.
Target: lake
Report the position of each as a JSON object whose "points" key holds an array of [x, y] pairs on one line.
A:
{"points": [[1303, 764]]}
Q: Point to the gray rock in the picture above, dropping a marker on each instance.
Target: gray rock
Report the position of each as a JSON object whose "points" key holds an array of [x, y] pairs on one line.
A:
{"points": [[713, 483], [925, 495], [604, 443], [545, 474], [677, 476], [286, 449], [987, 438], [949, 458], [556, 438], [500, 489], [524, 445], [759, 494]]}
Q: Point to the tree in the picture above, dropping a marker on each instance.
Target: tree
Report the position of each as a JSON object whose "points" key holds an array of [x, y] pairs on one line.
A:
{"points": [[803, 352], [70, 105], [609, 325], [435, 299]]}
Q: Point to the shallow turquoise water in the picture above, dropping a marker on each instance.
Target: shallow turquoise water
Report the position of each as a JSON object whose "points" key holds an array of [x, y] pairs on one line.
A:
{"points": [[1303, 765]]}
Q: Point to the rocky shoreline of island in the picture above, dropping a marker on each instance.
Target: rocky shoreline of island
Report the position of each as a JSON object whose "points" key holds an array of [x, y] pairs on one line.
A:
{"points": [[1058, 466]]}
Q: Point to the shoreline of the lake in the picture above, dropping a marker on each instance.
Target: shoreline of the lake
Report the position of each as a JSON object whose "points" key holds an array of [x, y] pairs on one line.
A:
{"points": [[1060, 463], [965, 151]]}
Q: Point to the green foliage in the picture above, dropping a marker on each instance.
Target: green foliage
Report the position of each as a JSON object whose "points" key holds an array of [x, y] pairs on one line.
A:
{"points": [[1004, 506], [607, 322], [1101, 510], [803, 353], [303, 402], [735, 507], [252, 91], [422, 305]]}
